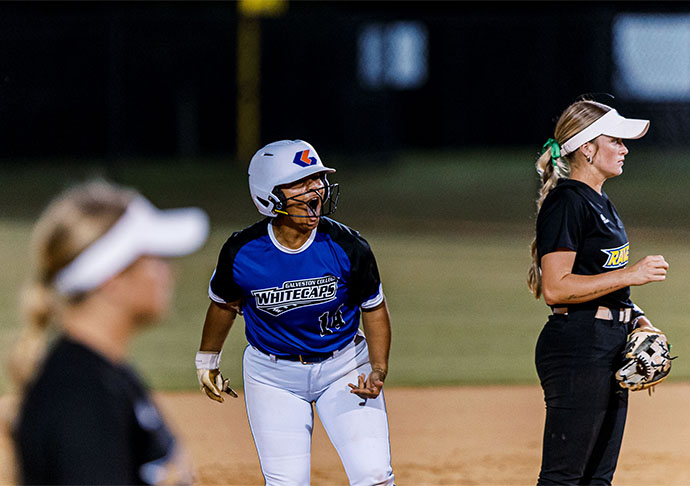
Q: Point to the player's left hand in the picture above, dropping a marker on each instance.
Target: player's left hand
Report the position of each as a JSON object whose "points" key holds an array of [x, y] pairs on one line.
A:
{"points": [[368, 387], [646, 360], [644, 324]]}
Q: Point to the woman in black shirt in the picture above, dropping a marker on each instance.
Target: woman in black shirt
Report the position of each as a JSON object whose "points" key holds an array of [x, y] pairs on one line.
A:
{"points": [[580, 256], [85, 416]]}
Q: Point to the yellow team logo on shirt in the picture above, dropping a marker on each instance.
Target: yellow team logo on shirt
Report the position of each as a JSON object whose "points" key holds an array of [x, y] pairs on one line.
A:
{"points": [[617, 257]]}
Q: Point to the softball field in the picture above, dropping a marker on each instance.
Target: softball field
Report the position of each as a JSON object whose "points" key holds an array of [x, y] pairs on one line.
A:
{"points": [[489, 435], [485, 435]]}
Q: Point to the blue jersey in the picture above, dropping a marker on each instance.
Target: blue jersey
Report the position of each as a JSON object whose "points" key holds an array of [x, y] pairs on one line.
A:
{"points": [[302, 301]]}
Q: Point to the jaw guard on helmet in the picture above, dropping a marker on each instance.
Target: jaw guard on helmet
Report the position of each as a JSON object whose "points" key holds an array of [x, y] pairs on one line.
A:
{"points": [[328, 196], [284, 162]]}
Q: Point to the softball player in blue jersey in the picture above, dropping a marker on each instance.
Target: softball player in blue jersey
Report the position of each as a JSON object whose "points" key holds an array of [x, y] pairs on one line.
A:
{"points": [[302, 281]]}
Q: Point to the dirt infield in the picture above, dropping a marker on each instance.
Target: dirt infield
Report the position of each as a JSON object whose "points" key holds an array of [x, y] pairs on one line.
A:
{"points": [[446, 436], [439, 436]]}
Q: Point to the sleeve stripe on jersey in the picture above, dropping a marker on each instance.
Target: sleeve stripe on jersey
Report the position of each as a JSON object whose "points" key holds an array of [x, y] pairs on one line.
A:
{"points": [[211, 294], [375, 300]]}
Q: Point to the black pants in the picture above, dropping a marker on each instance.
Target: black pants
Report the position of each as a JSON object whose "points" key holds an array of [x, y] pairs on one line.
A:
{"points": [[576, 358]]}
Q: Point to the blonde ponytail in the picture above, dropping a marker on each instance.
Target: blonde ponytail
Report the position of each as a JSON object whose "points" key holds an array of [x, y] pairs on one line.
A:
{"points": [[27, 353], [38, 304], [550, 171], [573, 120]]}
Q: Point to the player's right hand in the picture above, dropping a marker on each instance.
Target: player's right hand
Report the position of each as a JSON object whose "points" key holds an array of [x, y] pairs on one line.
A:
{"points": [[651, 268], [213, 384]]}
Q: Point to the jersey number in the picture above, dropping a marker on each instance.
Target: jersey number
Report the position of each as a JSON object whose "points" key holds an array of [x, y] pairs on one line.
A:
{"points": [[330, 324]]}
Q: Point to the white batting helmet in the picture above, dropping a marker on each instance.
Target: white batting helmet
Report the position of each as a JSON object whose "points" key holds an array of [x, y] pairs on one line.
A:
{"points": [[279, 163]]}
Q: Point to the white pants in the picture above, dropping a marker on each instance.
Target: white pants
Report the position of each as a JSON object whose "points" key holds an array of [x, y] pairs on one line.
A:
{"points": [[279, 396]]}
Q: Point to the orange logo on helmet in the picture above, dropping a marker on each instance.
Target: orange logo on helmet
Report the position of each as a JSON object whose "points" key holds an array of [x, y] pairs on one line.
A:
{"points": [[303, 160]]}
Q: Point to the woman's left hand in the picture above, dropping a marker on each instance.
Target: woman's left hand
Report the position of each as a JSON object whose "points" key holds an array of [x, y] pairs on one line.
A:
{"points": [[368, 387]]}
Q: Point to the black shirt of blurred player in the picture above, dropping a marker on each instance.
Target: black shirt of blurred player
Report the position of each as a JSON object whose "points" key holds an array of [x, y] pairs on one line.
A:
{"points": [[87, 420]]}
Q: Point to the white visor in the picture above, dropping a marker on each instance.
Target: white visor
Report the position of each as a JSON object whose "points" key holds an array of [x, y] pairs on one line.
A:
{"points": [[611, 124], [142, 230]]}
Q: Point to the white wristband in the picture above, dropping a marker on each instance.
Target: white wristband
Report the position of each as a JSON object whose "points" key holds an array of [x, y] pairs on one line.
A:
{"points": [[207, 360]]}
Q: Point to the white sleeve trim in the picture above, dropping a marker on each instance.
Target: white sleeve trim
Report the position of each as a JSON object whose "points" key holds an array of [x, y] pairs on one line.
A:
{"points": [[211, 294], [214, 297], [374, 301]]}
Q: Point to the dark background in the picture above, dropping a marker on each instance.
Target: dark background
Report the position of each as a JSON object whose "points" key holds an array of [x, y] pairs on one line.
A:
{"points": [[113, 80]]}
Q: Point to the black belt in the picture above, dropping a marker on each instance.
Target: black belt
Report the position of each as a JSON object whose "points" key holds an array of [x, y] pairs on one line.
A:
{"points": [[620, 315], [307, 358], [312, 358]]}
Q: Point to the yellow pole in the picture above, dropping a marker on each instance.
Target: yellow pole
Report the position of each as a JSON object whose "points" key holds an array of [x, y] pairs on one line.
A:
{"points": [[249, 72], [248, 87]]}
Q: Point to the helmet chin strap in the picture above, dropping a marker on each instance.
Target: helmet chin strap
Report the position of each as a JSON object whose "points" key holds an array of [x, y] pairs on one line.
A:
{"points": [[295, 215]]}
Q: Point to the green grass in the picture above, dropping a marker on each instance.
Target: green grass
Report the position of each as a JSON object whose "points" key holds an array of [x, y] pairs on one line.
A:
{"points": [[451, 233]]}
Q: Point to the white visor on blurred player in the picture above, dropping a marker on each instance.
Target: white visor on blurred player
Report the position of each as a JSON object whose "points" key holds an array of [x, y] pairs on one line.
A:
{"points": [[611, 124], [143, 229]]}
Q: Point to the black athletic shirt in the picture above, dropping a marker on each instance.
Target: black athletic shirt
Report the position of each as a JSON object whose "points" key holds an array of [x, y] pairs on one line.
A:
{"points": [[576, 217], [87, 420]]}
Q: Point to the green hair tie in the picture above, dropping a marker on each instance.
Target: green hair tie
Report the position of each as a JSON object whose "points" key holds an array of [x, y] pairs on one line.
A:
{"points": [[555, 150]]}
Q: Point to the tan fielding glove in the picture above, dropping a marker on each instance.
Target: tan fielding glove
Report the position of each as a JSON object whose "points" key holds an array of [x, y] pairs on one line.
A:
{"points": [[646, 360], [210, 378]]}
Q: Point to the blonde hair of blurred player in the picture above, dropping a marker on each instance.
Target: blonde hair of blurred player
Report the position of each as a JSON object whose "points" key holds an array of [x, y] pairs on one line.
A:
{"points": [[573, 120], [67, 226]]}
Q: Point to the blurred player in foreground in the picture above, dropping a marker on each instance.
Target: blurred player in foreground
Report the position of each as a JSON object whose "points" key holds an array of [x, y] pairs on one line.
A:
{"points": [[579, 262], [100, 278], [302, 280]]}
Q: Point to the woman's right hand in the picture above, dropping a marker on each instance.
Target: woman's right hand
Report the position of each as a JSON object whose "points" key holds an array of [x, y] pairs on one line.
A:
{"points": [[651, 268]]}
